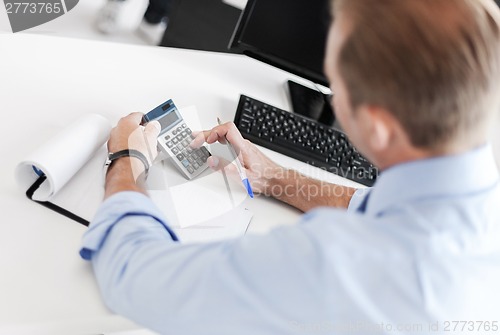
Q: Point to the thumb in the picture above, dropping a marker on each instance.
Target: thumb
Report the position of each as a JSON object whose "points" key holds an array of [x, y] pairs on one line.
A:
{"points": [[152, 130]]}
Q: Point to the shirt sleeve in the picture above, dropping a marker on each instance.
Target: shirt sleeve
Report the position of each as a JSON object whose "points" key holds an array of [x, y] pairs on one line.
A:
{"points": [[227, 287], [117, 208], [357, 199]]}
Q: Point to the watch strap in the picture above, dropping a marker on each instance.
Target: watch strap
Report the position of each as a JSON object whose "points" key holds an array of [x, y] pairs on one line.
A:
{"points": [[128, 153]]}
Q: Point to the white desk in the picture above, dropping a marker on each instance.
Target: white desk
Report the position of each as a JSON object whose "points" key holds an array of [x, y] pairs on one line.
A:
{"points": [[46, 83]]}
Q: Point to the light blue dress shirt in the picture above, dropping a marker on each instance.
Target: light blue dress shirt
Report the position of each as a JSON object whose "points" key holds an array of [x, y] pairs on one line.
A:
{"points": [[423, 252]]}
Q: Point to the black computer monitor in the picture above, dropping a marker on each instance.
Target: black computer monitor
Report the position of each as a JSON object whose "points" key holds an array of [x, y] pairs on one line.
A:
{"points": [[290, 35]]}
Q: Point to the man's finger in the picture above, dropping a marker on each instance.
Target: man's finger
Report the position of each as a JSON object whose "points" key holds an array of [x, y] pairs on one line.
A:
{"points": [[220, 134], [198, 141], [209, 136]]}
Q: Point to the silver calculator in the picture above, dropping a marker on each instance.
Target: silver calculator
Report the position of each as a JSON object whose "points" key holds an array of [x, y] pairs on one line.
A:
{"points": [[174, 139]]}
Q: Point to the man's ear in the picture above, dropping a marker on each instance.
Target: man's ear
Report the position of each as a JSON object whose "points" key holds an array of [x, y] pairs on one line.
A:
{"points": [[378, 126]]}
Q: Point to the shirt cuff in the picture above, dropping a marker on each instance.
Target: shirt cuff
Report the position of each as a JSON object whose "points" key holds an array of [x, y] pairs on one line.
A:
{"points": [[112, 211], [357, 199]]}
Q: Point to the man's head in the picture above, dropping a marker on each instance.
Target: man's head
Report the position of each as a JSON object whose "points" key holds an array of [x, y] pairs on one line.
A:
{"points": [[419, 77]]}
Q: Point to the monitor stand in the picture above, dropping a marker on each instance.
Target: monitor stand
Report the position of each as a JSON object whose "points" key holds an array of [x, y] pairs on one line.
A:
{"points": [[312, 103]]}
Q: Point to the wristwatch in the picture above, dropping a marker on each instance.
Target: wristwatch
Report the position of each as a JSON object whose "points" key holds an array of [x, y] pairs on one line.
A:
{"points": [[112, 156]]}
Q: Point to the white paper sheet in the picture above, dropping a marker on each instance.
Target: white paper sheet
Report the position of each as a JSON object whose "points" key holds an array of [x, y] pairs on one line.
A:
{"points": [[231, 224]]}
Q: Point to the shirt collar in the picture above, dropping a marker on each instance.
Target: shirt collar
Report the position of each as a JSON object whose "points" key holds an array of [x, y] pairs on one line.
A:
{"points": [[454, 175]]}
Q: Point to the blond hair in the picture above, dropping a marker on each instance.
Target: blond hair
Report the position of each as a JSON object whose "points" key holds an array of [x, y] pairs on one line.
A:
{"points": [[434, 64]]}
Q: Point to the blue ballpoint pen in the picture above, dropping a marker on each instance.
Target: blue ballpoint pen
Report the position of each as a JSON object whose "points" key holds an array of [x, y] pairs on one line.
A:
{"points": [[241, 171]]}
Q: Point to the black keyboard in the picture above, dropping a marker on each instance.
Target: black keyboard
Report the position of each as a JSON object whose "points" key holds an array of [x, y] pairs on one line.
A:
{"points": [[303, 139]]}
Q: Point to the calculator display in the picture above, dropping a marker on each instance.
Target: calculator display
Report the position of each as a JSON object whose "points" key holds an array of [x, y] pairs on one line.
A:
{"points": [[168, 120], [167, 114]]}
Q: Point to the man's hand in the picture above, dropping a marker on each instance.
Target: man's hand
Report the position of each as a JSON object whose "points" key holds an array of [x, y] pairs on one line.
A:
{"points": [[259, 168], [269, 178], [129, 134]]}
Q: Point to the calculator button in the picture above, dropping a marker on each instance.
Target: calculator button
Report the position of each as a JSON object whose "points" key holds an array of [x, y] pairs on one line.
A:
{"points": [[167, 138], [199, 161], [205, 151], [180, 157], [175, 151], [184, 134], [188, 131], [174, 132], [196, 166], [185, 143], [170, 144], [179, 129], [195, 154], [204, 159], [189, 149], [190, 169], [185, 163], [180, 147], [179, 138], [175, 141], [191, 159], [183, 125]]}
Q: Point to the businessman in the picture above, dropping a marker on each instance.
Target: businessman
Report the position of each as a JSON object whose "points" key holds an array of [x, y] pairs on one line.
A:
{"points": [[416, 87]]}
